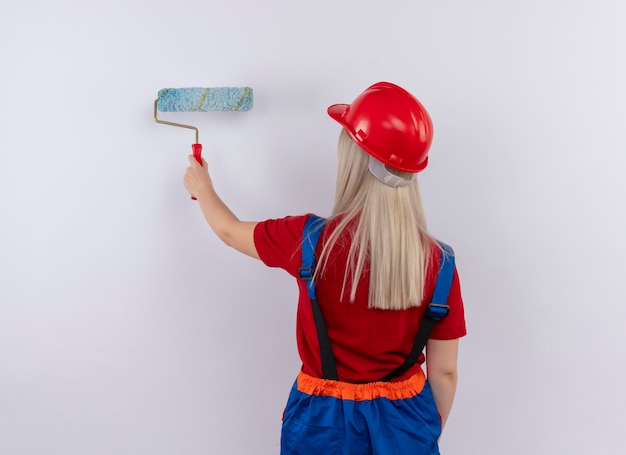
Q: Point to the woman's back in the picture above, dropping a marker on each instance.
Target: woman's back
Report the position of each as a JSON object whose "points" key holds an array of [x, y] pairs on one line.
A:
{"points": [[367, 342]]}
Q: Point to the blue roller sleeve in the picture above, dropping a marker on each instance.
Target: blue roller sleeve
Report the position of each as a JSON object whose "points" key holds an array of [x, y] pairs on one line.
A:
{"points": [[204, 99]]}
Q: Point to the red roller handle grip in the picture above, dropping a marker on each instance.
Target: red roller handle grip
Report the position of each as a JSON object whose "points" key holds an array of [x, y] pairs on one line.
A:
{"points": [[197, 154]]}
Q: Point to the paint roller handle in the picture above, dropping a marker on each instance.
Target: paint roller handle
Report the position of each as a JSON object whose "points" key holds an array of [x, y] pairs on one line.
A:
{"points": [[197, 154]]}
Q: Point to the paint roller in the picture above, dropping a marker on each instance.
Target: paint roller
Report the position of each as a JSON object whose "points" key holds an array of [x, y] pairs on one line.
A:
{"points": [[201, 99]]}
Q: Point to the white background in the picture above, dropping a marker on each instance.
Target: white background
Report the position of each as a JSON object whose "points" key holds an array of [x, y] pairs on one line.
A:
{"points": [[126, 327]]}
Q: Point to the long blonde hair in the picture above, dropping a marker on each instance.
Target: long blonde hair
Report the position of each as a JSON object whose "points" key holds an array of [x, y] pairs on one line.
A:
{"points": [[388, 231]]}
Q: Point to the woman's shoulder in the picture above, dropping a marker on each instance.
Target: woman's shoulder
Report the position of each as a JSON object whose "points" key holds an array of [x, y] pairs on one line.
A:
{"points": [[278, 240], [438, 250]]}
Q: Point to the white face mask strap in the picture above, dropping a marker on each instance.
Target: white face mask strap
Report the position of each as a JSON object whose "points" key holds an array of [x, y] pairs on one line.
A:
{"points": [[378, 170]]}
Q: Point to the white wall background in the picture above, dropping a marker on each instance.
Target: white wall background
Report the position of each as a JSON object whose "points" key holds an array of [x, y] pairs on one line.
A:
{"points": [[127, 328]]}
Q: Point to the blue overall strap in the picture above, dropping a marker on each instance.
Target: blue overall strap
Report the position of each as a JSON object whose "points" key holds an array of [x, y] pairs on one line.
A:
{"points": [[311, 234], [438, 306], [437, 310]]}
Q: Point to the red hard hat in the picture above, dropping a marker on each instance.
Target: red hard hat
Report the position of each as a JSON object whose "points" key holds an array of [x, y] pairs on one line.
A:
{"points": [[390, 124]]}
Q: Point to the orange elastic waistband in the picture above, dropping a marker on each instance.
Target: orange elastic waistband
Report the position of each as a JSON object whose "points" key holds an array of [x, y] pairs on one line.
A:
{"points": [[361, 392]]}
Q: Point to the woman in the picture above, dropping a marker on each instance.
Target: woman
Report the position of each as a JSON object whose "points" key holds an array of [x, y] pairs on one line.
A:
{"points": [[360, 391]]}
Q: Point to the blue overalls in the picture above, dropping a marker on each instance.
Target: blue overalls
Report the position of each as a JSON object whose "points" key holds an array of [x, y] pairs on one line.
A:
{"points": [[331, 417]]}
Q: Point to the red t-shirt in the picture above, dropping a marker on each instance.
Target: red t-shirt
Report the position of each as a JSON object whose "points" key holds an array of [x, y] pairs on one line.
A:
{"points": [[367, 343]]}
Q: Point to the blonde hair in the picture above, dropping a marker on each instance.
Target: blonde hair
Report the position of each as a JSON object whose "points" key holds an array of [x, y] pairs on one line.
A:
{"points": [[388, 231]]}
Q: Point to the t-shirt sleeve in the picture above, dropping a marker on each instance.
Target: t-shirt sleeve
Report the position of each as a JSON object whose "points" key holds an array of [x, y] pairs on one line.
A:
{"points": [[452, 326], [278, 242]]}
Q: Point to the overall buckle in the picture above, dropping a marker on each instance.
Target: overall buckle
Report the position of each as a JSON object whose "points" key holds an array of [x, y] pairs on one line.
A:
{"points": [[437, 311]]}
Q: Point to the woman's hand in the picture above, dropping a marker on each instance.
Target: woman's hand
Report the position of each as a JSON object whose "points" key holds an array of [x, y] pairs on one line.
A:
{"points": [[197, 179]]}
